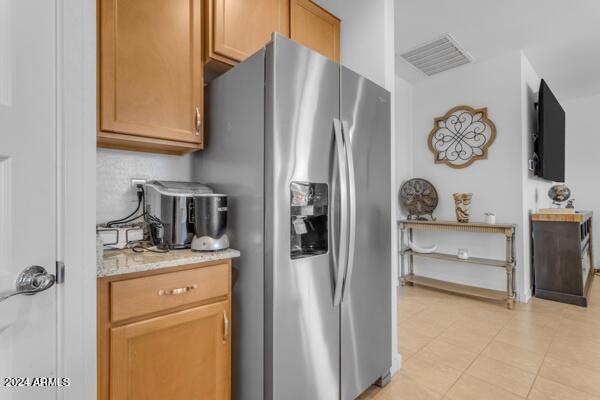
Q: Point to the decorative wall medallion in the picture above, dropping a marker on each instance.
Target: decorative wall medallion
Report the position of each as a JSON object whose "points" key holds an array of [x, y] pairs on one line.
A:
{"points": [[461, 136]]}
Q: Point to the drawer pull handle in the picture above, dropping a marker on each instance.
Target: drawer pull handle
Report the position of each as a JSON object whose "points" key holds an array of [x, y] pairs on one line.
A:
{"points": [[225, 326], [174, 292], [198, 121]]}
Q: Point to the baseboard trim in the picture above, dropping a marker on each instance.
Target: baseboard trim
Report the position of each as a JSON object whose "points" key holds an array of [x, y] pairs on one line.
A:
{"points": [[526, 296], [396, 363]]}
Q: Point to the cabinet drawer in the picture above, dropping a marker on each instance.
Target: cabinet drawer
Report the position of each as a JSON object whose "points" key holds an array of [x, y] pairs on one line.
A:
{"points": [[135, 297]]}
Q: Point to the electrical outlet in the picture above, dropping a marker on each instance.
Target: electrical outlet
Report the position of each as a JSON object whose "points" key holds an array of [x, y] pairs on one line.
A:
{"points": [[135, 182]]}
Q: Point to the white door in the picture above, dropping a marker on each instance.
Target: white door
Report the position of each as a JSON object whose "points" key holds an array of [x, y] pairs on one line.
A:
{"points": [[28, 323]]}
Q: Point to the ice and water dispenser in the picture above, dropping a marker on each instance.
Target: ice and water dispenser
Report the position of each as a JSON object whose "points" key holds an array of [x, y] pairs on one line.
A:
{"points": [[309, 213]]}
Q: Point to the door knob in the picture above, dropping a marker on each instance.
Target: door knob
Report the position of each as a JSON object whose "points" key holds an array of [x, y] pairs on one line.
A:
{"points": [[32, 280]]}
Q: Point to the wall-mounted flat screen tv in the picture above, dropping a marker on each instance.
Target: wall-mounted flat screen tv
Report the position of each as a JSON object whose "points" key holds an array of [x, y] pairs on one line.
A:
{"points": [[550, 144]]}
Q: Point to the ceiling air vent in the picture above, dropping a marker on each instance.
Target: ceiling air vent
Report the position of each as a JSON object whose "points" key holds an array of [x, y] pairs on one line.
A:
{"points": [[437, 56]]}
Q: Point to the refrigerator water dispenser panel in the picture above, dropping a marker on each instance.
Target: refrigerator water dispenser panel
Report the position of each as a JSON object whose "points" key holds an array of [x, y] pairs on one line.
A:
{"points": [[308, 225]]}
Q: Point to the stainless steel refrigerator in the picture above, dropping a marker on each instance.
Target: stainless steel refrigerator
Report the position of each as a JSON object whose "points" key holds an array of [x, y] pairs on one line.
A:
{"points": [[302, 147]]}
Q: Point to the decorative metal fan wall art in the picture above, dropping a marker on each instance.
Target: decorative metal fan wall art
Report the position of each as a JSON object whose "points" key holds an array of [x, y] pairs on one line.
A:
{"points": [[419, 197], [462, 136]]}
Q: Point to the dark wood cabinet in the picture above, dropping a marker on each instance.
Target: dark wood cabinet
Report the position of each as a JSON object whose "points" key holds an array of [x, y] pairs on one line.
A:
{"points": [[563, 256]]}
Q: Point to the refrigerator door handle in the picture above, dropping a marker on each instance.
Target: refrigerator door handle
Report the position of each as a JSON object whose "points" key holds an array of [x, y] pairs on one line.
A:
{"points": [[343, 233], [352, 208]]}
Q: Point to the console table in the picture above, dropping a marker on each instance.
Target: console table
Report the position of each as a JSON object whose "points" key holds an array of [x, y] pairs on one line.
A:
{"points": [[507, 230], [563, 256]]}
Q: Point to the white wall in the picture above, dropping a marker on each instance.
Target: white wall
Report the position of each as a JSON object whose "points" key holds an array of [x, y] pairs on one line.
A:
{"points": [[507, 85], [367, 36], [114, 170], [496, 183], [404, 138], [582, 162], [388, 52]]}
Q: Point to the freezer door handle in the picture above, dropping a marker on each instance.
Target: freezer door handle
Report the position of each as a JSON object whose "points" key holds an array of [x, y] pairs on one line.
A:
{"points": [[352, 208], [343, 232]]}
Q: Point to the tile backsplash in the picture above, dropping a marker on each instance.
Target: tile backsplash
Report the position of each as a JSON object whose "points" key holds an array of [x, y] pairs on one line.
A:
{"points": [[116, 168]]}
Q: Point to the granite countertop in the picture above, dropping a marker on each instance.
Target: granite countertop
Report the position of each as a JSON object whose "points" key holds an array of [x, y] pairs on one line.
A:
{"points": [[118, 262]]}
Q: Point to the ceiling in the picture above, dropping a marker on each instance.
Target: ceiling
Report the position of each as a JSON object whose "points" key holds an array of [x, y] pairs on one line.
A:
{"points": [[561, 38]]}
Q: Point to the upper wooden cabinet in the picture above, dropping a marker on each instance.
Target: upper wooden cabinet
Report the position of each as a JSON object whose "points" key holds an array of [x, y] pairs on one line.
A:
{"points": [[238, 28], [153, 56], [151, 75], [316, 28]]}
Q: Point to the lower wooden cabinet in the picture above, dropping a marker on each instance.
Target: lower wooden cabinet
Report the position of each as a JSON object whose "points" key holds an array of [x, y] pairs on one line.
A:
{"points": [[179, 353]]}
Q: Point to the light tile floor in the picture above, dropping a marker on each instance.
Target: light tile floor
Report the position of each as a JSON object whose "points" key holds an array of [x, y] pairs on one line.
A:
{"points": [[459, 348]]}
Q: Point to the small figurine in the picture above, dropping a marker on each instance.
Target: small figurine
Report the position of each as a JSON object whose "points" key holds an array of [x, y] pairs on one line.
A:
{"points": [[570, 204]]}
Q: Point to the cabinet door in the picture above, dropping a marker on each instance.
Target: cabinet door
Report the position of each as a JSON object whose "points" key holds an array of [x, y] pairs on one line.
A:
{"points": [[238, 28], [184, 355], [151, 80], [316, 28]]}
